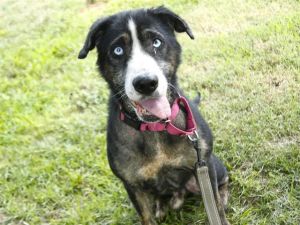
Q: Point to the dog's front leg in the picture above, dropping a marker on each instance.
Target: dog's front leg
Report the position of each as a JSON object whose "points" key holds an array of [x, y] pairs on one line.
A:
{"points": [[143, 203]]}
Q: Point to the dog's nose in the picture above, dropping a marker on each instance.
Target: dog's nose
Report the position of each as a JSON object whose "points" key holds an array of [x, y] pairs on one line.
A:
{"points": [[145, 85]]}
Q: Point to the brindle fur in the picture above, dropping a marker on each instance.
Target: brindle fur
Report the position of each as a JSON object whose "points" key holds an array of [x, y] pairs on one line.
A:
{"points": [[156, 168]]}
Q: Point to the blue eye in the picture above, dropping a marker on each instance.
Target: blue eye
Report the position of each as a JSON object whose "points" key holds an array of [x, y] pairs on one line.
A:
{"points": [[156, 43], [119, 51]]}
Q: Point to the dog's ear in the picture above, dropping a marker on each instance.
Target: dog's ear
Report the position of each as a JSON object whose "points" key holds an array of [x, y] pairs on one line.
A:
{"points": [[98, 27], [176, 22]]}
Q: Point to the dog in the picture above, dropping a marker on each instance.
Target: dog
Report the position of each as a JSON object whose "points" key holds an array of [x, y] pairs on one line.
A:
{"points": [[138, 56]]}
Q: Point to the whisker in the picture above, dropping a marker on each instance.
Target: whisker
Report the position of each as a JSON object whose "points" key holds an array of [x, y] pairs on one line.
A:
{"points": [[172, 86], [122, 96], [119, 92]]}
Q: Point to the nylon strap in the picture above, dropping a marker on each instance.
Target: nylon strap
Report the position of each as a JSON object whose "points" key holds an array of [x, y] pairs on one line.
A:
{"points": [[208, 195]]}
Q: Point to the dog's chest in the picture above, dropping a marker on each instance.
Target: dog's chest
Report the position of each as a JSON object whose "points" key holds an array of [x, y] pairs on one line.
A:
{"points": [[163, 157], [168, 171], [161, 164]]}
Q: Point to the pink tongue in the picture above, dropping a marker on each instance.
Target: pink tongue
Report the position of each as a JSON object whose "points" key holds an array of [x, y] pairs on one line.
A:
{"points": [[159, 107]]}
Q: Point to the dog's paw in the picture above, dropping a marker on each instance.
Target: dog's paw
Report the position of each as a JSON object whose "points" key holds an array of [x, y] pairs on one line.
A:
{"points": [[177, 200], [160, 210]]}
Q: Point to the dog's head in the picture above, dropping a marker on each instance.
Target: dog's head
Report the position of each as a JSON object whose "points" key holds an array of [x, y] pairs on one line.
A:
{"points": [[138, 56]]}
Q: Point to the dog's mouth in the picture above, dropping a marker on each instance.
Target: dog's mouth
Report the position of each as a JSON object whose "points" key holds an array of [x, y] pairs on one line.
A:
{"points": [[158, 107]]}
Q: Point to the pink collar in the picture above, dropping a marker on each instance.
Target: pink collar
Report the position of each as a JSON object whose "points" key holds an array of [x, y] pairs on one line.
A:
{"points": [[165, 125]]}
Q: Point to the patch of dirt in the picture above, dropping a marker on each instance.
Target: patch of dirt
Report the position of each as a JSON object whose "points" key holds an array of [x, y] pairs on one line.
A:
{"points": [[94, 7], [4, 219], [284, 142]]}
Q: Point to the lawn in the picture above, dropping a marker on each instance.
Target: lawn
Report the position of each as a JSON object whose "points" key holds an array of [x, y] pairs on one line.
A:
{"points": [[245, 61]]}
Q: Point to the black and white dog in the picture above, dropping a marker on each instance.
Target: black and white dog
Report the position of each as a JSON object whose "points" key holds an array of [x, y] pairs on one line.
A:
{"points": [[138, 56]]}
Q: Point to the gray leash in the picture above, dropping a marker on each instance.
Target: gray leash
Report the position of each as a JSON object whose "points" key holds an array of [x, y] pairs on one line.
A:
{"points": [[205, 184]]}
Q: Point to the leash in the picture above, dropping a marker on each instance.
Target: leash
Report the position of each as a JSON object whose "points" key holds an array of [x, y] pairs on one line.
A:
{"points": [[201, 168], [205, 184]]}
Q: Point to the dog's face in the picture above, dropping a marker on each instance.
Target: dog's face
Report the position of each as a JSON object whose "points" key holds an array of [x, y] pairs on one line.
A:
{"points": [[138, 56]]}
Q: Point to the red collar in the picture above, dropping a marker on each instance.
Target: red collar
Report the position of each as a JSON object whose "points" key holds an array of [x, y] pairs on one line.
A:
{"points": [[165, 125]]}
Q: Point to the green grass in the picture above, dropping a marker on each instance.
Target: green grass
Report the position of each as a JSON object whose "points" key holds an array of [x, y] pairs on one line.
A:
{"points": [[245, 61]]}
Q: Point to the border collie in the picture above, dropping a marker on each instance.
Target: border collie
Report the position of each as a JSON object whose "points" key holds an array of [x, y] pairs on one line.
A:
{"points": [[138, 56]]}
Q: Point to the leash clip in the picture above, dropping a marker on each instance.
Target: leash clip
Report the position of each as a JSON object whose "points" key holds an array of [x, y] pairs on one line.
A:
{"points": [[194, 137]]}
